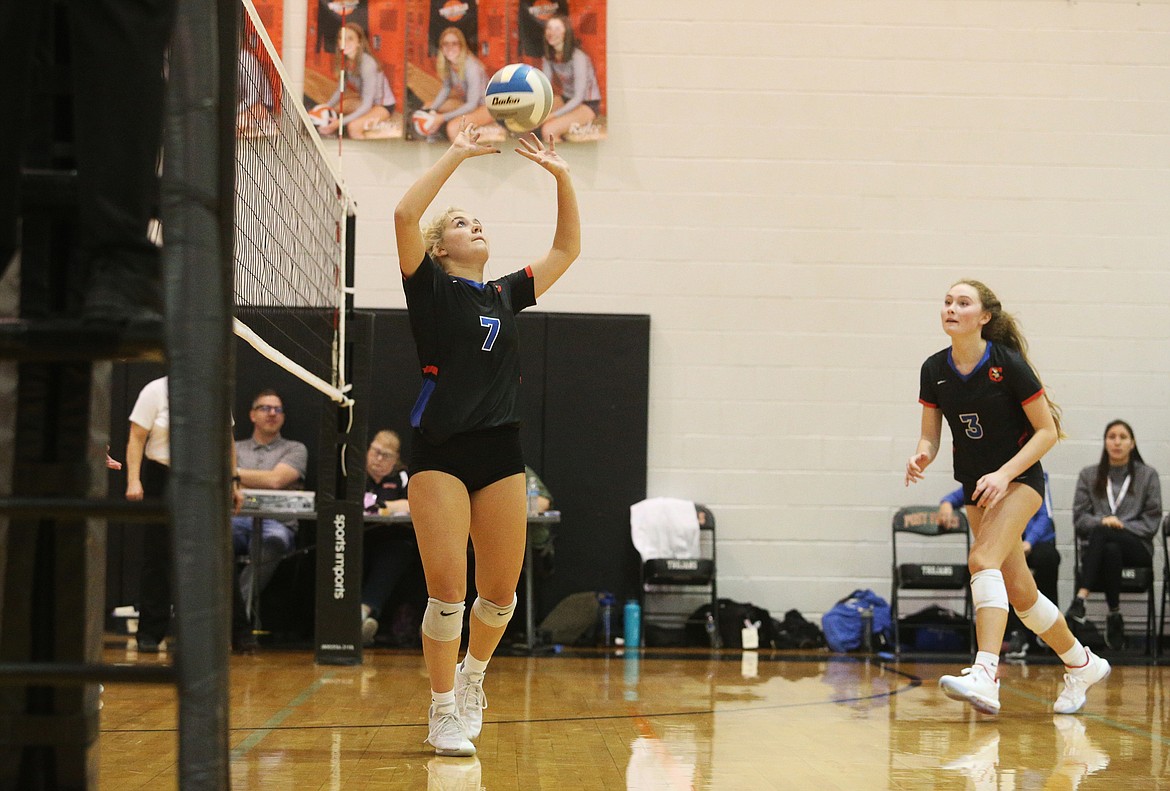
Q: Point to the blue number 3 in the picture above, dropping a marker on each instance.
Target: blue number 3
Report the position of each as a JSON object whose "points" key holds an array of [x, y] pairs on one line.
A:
{"points": [[493, 328], [971, 421]]}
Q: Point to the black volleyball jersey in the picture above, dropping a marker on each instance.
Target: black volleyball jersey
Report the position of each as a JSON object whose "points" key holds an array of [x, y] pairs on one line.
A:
{"points": [[468, 347], [985, 409]]}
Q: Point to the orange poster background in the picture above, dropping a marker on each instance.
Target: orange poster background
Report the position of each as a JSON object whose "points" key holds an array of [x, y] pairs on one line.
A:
{"points": [[402, 37]]}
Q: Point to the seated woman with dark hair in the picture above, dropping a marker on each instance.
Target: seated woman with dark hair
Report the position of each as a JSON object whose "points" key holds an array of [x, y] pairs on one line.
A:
{"points": [[1116, 511]]}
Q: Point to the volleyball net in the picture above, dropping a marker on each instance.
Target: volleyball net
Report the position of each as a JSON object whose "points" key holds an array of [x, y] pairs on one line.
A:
{"points": [[291, 219]]}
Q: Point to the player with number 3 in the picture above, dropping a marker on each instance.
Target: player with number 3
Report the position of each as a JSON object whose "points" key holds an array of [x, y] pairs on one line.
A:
{"points": [[467, 468], [1001, 423]]}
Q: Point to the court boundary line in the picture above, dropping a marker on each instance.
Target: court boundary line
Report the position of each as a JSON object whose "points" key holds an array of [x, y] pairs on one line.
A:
{"points": [[257, 735]]}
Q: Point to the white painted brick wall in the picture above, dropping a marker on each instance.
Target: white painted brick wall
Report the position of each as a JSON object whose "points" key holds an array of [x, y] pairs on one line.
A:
{"points": [[789, 188]]}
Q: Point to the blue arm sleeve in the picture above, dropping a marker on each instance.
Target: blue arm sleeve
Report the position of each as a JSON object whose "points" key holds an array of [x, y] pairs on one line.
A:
{"points": [[955, 498]]}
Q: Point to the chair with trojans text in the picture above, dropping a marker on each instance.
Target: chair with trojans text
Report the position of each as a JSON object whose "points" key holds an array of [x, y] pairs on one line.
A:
{"points": [[676, 540], [931, 579]]}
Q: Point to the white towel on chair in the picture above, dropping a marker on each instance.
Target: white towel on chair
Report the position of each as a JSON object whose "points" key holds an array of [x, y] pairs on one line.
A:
{"points": [[665, 527]]}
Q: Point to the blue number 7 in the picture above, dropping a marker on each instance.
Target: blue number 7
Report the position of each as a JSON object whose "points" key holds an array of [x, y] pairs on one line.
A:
{"points": [[493, 328]]}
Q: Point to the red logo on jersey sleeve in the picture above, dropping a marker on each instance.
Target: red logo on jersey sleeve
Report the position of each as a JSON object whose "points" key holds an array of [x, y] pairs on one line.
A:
{"points": [[995, 374]]}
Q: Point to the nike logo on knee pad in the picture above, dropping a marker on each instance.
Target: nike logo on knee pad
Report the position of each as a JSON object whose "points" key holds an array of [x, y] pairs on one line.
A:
{"points": [[448, 613]]}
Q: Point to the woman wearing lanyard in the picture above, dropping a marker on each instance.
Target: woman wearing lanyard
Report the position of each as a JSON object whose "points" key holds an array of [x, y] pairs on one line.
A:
{"points": [[1116, 512]]}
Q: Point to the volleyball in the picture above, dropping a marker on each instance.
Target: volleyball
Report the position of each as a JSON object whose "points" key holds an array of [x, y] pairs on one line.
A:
{"points": [[322, 114], [519, 96], [425, 123]]}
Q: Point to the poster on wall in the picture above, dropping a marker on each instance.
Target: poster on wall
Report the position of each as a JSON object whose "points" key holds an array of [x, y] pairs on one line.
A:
{"points": [[414, 68], [364, 39], [450, 56], [454, 46], [568, 45]]}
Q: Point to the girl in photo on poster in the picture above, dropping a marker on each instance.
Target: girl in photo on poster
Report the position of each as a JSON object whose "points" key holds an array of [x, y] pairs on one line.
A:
{"points": [[461, 98], [364, 75], [577, 98]]}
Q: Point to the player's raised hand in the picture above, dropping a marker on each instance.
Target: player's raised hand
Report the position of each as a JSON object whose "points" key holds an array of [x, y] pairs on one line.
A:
{"points": [[467, 141], [532, 148]]}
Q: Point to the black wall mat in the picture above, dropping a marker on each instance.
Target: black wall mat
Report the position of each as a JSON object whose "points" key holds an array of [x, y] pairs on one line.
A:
{"points": [[594, 445]]}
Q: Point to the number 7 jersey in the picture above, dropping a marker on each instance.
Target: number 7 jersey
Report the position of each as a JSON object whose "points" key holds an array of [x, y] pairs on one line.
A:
{"points": [[985, 409], [468, 347]]}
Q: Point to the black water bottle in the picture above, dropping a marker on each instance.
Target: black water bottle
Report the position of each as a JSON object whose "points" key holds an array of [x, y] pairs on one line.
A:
{"points": [[867, 630], [605, 615]]}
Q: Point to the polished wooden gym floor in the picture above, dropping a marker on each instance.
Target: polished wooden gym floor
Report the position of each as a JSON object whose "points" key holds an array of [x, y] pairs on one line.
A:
{"points": [[658, 720]]}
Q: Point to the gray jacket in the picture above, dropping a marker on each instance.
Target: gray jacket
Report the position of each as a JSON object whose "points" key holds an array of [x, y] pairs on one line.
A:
{"points": [[1140, 510]]}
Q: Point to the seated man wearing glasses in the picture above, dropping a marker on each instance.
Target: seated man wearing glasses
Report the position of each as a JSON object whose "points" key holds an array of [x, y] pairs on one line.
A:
{"points": [[390, 553], [266, 461]]}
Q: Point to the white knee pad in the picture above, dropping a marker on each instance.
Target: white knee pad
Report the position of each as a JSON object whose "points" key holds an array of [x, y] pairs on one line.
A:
{"points": [[443, 620], [491, 613], [1041, 616], [988, 590]]}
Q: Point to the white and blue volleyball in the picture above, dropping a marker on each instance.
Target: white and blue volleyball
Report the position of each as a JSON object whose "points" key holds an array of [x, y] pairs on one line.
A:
{"points": [[519, 97]]}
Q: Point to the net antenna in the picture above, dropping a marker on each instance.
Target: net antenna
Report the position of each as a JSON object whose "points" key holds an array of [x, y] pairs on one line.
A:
{"points": [[292, 208]]}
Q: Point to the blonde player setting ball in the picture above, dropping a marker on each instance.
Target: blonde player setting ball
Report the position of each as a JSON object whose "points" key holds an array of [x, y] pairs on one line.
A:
{"points": [[467, 469], [1001, 425]]}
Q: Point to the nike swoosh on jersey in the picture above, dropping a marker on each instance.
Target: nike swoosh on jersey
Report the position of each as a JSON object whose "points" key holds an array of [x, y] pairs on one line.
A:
{"points": [[941, 382]]}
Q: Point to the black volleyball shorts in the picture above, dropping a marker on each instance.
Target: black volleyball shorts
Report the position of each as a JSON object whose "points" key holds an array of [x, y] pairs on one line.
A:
{"points": [[477, 458], [1032, 477]]}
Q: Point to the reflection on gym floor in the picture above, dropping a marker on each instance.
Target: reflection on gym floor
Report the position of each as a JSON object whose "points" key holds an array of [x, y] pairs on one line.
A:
{"points": [[659, 720]]}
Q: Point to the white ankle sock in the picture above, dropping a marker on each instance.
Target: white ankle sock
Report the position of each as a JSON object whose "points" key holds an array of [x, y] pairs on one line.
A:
{"points": [[442, 699], [1075, 657], [473, 665], [989, 661]]}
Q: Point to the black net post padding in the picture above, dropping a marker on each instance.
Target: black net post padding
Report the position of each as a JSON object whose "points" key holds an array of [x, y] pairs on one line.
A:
{"points": [[197, 219], [340, 525]]}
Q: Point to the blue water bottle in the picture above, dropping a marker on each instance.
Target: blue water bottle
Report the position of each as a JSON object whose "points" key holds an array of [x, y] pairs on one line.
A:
{"points": [[632, 623]]}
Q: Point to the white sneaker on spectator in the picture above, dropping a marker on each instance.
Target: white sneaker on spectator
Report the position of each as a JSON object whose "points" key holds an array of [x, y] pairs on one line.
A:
{"points": [[1018, 647], [1077, 682], [470, 700], [448, 733], [369, 630], [976, 686]]}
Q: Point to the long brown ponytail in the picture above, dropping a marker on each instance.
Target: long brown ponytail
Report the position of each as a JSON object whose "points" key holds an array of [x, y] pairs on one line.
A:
{"points": [[1005, 330]]}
